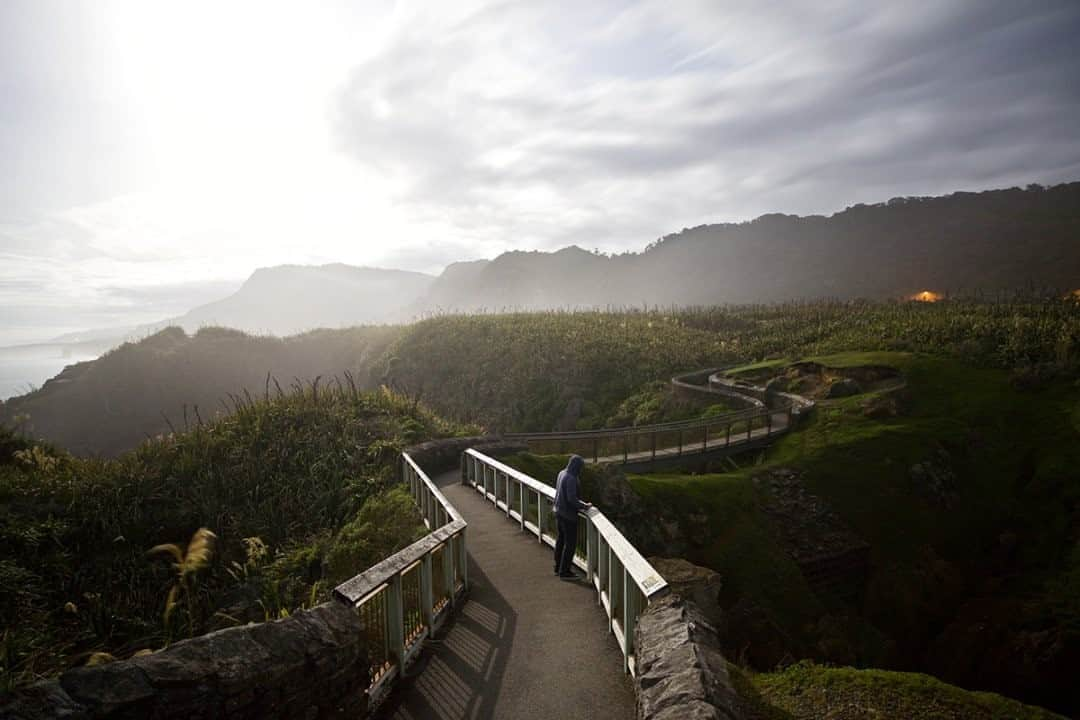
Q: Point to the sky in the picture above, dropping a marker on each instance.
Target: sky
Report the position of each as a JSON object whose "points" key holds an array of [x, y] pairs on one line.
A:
{"points": [[153, 154]]}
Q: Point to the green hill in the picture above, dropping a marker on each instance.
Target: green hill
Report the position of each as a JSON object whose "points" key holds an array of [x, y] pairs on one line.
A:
{"points": [[296, 488], [806, 691], [109, 405], [948, 504]]}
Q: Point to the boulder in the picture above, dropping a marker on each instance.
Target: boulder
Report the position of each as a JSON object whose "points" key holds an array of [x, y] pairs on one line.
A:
{"points": [[41, 701], [692, 582], [681, 672], [109, 688]]}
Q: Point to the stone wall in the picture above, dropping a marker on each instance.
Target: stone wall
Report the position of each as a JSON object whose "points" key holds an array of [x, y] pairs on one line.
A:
{"points": [[312, 665], [437, 456], [681, 673]]}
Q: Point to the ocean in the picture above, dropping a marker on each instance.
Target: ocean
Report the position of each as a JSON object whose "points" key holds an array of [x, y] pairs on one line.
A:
{"points": [[27, 367]]}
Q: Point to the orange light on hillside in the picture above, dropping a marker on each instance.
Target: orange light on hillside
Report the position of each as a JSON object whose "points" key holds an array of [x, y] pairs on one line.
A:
{"points": [[927, 296]]}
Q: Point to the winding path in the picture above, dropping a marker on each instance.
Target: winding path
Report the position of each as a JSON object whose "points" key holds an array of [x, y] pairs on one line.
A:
{"points": [[524, 642], [521, 643]]}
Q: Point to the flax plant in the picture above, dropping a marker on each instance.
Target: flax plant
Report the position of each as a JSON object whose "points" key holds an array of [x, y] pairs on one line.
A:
{"points": [[186, 562]]}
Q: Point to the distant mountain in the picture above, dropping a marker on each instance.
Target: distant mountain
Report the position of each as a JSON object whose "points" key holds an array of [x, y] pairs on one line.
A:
{"points": [[288, 299], [965, 242]]}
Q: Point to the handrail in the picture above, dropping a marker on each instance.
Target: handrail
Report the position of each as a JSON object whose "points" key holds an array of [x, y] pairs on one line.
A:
{"points": [[693, 435], [406, 597], [644, 429], [624, 580]]}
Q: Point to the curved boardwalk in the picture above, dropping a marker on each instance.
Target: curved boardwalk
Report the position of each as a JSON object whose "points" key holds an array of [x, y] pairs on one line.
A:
{"points": [[526, 644]]}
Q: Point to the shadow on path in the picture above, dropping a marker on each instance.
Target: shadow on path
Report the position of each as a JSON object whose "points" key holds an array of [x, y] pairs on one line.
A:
{"points": [[459, 675], [525, 644]]}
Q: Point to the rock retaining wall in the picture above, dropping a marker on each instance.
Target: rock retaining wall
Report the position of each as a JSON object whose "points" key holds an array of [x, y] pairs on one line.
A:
{"points": [[438, 456], [681, 673], [312, 665]]}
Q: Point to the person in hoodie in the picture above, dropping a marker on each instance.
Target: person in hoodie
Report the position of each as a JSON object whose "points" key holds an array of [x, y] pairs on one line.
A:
{"points": [[567, 507]]}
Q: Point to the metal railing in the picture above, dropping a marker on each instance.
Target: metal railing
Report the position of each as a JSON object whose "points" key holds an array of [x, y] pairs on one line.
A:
{"points": [[625, 582], [405, 598], [664, 440]]}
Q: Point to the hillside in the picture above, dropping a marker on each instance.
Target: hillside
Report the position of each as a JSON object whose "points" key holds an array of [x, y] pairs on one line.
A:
{"points": [[111, 404], [930, 527], [805, 691], [992, 241], [299, 491], [526, 371]]}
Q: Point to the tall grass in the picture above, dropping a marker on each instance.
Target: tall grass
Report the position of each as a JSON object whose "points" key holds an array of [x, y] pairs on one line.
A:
{"points": [[290, 468]]}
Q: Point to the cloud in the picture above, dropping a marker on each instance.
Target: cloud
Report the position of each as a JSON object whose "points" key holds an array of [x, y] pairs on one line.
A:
{"points": [[660, 115], [430, 133]]}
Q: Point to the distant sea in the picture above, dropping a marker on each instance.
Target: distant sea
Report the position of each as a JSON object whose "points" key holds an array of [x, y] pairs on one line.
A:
{"points": [[27, 367]]}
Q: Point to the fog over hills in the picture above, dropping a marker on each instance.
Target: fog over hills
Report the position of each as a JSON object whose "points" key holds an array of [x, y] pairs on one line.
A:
{"points": [[288, 299], [991, 241], [964, 242]]}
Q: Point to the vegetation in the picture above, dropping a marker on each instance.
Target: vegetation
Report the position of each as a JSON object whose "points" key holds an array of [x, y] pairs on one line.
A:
{"points": [[527, 371], [283, 499], [806, 691], [983, 534], [545, 371], [965, 489], [172, 381], [966, 493]]}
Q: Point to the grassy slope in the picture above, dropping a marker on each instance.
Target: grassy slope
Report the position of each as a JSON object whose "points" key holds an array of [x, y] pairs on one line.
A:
{"points": [[535, 371], [1012, 453], [806, 691], [309, 475], [111, 404]]}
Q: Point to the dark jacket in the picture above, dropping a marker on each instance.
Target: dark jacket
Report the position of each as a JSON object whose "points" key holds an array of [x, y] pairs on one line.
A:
{"points": [[567, 504]]}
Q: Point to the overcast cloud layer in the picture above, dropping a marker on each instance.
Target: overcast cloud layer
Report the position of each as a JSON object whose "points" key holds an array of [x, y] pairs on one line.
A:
{"points": [[153, 157]]}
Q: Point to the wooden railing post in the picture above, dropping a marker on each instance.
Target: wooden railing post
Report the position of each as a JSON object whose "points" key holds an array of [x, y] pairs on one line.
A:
{"points": [[395, 622], [447, 570], [463, 564], [521, 504], [591, 550], [628, 619], [727, 438], [680, 441], [540, 518], [427, 601]]}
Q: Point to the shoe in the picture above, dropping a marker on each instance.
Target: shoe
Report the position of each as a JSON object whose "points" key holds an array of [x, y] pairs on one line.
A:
{"points": [[556, 571], [567, 576]]}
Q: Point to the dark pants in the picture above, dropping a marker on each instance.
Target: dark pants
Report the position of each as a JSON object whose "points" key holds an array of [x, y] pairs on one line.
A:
{"points": [[565, 544]]}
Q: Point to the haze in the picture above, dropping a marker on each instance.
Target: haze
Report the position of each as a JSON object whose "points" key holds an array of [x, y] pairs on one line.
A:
{"points": [[156, 154]]}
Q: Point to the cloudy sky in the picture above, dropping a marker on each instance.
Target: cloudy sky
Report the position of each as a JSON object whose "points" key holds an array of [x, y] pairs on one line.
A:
{"points": [[153, 154]]}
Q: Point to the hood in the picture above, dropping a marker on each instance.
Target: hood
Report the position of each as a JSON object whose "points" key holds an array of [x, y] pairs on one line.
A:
{"points": [[574, 466]]}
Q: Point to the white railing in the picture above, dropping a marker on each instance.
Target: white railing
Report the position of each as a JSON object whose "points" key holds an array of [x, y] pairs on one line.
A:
{"points": [[405, 598], [625, 582]]}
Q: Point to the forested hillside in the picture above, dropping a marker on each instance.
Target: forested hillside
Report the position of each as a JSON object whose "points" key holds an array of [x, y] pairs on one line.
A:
{"points": [[987, 242]]}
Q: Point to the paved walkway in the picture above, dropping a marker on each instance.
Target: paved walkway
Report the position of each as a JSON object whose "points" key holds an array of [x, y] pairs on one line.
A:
{"points": [[526, 644]]}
